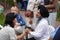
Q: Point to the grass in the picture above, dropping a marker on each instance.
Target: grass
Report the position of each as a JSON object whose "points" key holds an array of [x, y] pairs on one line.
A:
{"points": [[2, 18]]}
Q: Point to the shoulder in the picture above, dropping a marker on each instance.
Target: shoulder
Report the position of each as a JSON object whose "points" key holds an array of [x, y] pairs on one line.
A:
{"points": [[9, 28], [44, 21]]}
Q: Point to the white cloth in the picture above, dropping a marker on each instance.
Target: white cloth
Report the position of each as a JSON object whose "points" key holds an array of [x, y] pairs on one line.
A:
{"points": [[52, 18], [7, 33], [51, 30], [41, 2], [30, 5], [1, 26], [41, 31], [33, 6]]}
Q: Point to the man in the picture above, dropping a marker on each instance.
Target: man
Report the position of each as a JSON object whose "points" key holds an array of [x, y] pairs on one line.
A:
{"points": [[51, 5], [41, 32]]}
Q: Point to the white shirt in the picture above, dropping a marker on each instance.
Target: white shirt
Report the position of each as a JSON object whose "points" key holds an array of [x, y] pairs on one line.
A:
{"points": [[7, 33], [32, 4], [41, 2], [51, 29], [41, 31]]}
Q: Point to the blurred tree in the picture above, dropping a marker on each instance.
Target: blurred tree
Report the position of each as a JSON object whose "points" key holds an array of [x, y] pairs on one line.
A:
{"points": [[7, 3]]}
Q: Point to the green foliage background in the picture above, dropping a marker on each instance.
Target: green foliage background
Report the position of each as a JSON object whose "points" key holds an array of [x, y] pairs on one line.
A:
{"points": [[2, 19]]}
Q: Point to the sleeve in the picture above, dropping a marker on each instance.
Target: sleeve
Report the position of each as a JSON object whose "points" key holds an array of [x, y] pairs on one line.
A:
{"points": [[12, 34], [39, 32]]}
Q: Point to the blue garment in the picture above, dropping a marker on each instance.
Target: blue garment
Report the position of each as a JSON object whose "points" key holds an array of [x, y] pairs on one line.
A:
{"points": [[57, 35], [20, 6], [53, 33], [25, 4], [20, 20]]}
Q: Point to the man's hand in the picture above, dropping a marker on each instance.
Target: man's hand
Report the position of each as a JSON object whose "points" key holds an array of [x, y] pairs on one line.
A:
{"points": [[27, 30], [30, 21]]}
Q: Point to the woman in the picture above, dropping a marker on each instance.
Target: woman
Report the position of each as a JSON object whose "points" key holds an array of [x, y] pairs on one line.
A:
{"points": [[8, 32], [41, 31]]}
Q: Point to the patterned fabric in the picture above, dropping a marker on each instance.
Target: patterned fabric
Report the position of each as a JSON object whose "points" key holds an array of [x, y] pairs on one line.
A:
{"points": [[20, 20]]}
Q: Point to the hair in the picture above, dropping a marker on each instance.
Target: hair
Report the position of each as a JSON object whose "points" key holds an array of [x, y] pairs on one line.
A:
{"points": [[43, 11], [9, 19]]}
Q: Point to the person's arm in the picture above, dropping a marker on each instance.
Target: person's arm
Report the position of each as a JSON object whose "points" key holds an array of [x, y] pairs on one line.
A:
{"points": [[40, 30], [21, 36], [53, 5]]}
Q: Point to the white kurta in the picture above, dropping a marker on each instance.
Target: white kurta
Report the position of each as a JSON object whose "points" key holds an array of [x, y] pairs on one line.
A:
{"points": [[7, 33], [41, 31]]}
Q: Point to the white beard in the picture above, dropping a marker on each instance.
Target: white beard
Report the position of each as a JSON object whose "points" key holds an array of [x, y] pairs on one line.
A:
{"points": [[19, 29]]}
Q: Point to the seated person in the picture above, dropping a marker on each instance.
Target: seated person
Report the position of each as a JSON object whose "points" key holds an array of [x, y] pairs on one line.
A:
{"points": [[41, 32], [8, 32], [19, 16]]}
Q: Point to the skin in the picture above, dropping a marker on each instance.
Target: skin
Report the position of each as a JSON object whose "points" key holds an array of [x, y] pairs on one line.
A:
{"points": [[50, 38], [53, 5], [28, 30], [21, 37]]}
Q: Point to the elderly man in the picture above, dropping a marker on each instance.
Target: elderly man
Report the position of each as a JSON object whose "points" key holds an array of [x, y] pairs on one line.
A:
{"points": [[51, 5]]}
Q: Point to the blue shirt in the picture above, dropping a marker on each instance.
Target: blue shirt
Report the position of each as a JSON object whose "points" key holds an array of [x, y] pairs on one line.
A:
{"points": [[20, 20]]}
